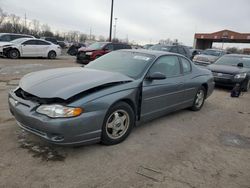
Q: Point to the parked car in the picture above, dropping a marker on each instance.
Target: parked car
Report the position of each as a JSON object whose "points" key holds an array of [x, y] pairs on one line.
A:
{"points": [[62, 44], [7, 37], [179, 49], [208, 56], [105, 99], [73, 49], [195, 52], [30, 47], [231, 69], [50, 39], [97, 49]]}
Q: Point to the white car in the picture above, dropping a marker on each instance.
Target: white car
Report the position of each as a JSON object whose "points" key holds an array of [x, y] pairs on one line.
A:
{"points": [[30, 47]]}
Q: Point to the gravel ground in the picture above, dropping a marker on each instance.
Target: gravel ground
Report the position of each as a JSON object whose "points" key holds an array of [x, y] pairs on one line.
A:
{"points": [[209, 148]]}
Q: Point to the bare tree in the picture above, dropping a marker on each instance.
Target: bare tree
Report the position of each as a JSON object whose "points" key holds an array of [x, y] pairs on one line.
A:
{"points": [[3, 15], [16, 25], [82, 37]]}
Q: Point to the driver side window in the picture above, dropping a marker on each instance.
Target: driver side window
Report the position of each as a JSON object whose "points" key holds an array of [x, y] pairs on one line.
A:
{"points": [[168, 65]]}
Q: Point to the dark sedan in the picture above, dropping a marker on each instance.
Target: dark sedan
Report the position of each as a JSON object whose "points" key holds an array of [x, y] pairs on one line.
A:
{"points": [[105, 99], [232, 69]]}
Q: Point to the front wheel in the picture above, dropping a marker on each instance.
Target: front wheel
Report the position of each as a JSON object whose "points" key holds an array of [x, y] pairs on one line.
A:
{"points": [[117, 124], [199, 99], [52, 55], [14, 54]]}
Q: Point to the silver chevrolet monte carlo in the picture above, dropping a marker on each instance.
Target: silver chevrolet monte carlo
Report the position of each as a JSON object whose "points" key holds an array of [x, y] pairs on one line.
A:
{"points": [[104, 100]]}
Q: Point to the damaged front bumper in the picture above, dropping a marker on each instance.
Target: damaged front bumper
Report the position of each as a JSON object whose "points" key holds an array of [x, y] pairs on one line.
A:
{"points": [[84, 129]]}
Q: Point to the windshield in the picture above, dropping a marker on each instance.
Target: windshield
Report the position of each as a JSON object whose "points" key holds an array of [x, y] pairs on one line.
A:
{"points": [[97, 45], [212, 52], [132, 64], [160, 47], [18, 41], [234, 61]]}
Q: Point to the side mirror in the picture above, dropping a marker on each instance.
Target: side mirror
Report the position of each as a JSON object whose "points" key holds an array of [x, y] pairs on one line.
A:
{"points": [[156, 76], [240, 65]]}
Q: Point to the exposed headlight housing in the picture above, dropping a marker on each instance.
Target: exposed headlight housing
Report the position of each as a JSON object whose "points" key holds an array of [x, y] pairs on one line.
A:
{"points": [[89, 53], [58, 111], [240, 76]]}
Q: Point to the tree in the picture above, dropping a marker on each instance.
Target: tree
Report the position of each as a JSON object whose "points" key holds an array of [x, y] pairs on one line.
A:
{"points": [[101, 38], [3, 15], [82, 37]]}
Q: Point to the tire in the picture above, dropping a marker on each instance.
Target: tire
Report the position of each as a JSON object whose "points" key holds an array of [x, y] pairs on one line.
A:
{"points": [[246, 85], [117, 124], [52, 55], [199, 99], [13, 54]]}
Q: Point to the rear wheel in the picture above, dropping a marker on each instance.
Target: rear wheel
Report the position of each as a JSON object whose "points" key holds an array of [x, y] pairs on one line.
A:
{"points": [[117, 124], [199, 99], [13, 54], [52, 55]]}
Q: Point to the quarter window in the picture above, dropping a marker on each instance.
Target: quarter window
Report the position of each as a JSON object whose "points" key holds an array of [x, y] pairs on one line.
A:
{"points": [[186, 66], [168, 65], [39, 42]]}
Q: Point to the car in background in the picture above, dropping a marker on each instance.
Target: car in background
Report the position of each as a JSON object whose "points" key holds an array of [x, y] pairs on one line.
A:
{"points": [[73, 49], [50, 39], [97, 49], [62, 44], [7, 37], [208, 56], [30, 47], [179, 49], [194, 52], [104, 100], [231, 69]]}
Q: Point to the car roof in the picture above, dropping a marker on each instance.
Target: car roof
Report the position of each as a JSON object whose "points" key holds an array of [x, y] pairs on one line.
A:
{"points": [[155, 53], [26, 39], [16, 34]]}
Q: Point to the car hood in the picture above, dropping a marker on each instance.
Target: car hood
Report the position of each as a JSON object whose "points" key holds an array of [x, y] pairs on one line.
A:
{"points": [[64, 83], [227, 69], [86, 49], [5, 44]]}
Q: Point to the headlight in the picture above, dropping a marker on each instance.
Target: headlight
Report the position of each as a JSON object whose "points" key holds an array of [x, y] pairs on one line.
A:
{"points": [[195, 57], [89, 53], [240, 76], [57, 111]]}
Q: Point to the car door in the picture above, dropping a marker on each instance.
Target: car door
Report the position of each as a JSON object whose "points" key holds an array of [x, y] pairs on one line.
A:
{"points": [[29, 48], [42, 48], [189, 87], [161, 96]]}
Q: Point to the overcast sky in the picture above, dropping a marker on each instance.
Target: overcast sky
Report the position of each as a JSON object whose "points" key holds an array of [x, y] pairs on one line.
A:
{"points": [[141, 20]]}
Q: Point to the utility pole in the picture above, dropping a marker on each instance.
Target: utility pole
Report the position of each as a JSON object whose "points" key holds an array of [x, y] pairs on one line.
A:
{"points": [[90, 33], [25, 20], [115, 28], [111, 20]]}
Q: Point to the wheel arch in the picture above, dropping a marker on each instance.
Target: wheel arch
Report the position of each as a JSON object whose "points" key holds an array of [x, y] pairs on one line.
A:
{"points": [[6, 50]]}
